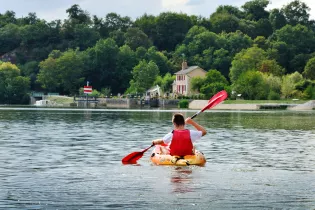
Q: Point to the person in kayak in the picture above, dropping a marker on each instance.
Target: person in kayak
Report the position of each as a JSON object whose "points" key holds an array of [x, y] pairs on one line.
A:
{"points": [[180, 140]]}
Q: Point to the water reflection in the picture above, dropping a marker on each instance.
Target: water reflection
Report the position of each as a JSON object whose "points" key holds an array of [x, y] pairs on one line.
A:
{"points": [[181, 179]]}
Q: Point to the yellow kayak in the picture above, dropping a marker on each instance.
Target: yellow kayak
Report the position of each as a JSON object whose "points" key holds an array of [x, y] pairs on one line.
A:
{"points": [[163, 159]]}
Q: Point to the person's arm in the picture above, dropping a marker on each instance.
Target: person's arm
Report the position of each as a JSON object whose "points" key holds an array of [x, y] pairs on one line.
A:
{"points": [[196, 125], [165, 140], [157, 142]]}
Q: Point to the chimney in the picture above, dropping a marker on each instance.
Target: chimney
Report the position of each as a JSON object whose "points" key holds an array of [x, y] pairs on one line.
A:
{"points": [[184, 65]]}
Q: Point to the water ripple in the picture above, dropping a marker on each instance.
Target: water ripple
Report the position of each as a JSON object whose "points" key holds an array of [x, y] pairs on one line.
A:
{"points": [[71, 159]]}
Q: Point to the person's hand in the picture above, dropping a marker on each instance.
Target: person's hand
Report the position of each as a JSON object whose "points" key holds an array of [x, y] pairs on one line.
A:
{"points": [[188, 121], [153, 142]]}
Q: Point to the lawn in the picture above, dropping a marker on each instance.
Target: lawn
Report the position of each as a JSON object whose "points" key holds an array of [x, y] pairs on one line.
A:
{"points": [[283, 101], [61, 99]]}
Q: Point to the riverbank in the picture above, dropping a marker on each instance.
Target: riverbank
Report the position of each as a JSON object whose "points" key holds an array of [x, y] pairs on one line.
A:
{"points": [[309, 105], [63, 101]]}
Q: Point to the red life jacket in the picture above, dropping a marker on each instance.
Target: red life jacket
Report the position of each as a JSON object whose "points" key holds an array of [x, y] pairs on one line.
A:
{"points": [[181, 144]]}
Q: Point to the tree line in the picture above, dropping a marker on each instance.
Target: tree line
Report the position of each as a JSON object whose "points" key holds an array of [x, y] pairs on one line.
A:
{"points": [[259, 53]]}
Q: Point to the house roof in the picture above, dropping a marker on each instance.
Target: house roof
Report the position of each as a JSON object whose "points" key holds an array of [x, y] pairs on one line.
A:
{"points": [[188, 70]]}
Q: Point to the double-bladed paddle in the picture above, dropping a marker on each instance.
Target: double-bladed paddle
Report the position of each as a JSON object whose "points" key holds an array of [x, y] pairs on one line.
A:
{"points": [[215, 100]]}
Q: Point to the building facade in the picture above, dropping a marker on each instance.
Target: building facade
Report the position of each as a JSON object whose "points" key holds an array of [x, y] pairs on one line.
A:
{"points": [[182, 83]]}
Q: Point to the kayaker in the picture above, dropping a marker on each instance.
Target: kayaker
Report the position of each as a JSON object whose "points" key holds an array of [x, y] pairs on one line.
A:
{"points": [[180, 140]]}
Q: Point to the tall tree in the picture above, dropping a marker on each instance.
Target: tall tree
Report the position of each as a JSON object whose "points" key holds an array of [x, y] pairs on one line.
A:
{"points": [[255, 9], [296, 12], [144, 75], [135, 38], [277, 19], [126, 61], [224, 22], [171, 29], [77, 15], [147, 23], [252, 86], [249, 59], [102, 63], [309, 70], [10, 38], [13, 87]]}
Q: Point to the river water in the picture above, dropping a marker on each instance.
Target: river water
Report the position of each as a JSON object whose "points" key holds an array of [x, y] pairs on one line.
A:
{"points": [[71, 159]]}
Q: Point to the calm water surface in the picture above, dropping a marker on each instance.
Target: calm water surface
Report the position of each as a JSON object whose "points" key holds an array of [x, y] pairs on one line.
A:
{"points": [[71, 159]]}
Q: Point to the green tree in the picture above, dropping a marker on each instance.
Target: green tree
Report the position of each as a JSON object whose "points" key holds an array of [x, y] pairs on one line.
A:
{"points": [[295, 44], [196, 83], [224, 21], [252, 86], [309, 92], [159, 59], [13, 87], [213, 83], [30, 69], [77, 15], [126, 60], [64, 73], [309, 71], [83, 37], [135, 38], [71, 67], [274, 82], [289, 82], [115, 22], [144, 75], [10, 38], [102, 65], [193, 31], [118, 36], [7, 18], [147, 23], [271, 67], [296, 12], [255, 9], [165, 82], [230, 10], [222, 61], [234, 42], [277, 19], [249, 59], [171, 29], [49, 76], [299, 61]]}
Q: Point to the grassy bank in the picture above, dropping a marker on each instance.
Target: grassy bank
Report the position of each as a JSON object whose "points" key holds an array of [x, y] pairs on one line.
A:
{"points": [[61, 99], [284, 101]]}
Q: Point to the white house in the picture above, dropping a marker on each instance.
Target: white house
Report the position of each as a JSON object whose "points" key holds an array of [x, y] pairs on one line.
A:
{"points": [[182, 84]]}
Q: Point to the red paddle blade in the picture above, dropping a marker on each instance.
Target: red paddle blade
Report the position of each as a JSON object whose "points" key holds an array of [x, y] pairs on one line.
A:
{"points": [[216, 99], [132, 157]]}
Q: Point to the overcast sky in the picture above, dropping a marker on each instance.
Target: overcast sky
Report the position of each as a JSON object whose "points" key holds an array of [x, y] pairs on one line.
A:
{"points": [[56, 9]]}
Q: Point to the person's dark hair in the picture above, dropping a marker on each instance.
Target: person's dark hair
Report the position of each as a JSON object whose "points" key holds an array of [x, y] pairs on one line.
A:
{"points": [[178, 119]]}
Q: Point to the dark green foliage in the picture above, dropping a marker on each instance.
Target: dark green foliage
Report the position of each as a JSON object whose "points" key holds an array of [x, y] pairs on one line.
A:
{"points": [[106, 50], [309, 92], [273, 96], [183, 103]]}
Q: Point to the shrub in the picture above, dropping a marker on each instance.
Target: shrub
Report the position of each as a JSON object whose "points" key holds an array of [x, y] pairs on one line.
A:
{"points": [[183, 103], [273, 96]]}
